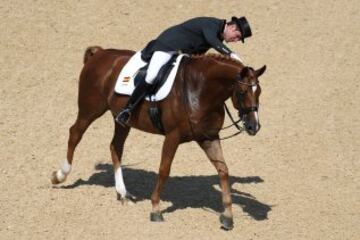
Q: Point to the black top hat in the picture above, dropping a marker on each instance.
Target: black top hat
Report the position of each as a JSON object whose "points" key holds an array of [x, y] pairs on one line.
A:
{"points": [[244, 27]]}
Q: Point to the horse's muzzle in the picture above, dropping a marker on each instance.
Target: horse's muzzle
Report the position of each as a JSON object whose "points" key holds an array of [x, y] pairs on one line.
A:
{"points": [[252, 127]]}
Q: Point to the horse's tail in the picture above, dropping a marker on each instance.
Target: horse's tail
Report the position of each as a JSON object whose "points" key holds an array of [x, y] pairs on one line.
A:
{"points": [[90, 51]]}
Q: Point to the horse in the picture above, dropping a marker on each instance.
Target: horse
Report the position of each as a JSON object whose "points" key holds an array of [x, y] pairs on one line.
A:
{"points": [[193, 111]]}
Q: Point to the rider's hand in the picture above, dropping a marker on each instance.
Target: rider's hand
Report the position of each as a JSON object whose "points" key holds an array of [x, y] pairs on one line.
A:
{"points": [[234, 56]]}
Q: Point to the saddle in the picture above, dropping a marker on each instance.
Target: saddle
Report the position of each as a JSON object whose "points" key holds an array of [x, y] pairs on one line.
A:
{"points": [[154, 110], [160, 78], [135, 70]]}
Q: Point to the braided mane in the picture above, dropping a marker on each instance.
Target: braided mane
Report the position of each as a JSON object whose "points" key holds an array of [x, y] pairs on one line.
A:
{"points": [[218, 57]]}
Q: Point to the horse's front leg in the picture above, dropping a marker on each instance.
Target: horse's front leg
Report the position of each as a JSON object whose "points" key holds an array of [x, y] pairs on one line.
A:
{"points": [[214, 152], [169, 148]]}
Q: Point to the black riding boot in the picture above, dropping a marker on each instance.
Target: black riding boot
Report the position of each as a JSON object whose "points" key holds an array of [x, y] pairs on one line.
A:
{"points": [[138, 94]]}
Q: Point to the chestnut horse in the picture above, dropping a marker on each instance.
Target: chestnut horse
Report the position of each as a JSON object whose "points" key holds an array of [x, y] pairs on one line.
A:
{"points": [[193, 111]]}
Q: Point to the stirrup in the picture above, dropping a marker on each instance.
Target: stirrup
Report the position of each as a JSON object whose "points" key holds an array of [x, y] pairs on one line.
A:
{"points": [[123, 117]]}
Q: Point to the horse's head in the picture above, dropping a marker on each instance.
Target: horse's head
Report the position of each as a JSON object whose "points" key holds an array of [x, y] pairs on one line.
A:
{"points": [[246, 97]]}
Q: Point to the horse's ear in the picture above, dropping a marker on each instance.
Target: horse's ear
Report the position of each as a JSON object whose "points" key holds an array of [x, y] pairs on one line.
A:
{"points": [[260, 71], [244, 72]]}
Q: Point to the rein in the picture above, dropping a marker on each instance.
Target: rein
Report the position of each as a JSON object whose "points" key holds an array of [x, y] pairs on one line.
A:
{"points": [[234, 123], [242, 111]]}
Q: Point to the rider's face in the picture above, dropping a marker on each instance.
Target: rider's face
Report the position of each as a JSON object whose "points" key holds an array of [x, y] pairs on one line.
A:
{"points": [[232, 33]]}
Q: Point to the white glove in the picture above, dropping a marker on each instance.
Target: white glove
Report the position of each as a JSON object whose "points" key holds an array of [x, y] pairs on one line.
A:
{"points": [[234, 56]]}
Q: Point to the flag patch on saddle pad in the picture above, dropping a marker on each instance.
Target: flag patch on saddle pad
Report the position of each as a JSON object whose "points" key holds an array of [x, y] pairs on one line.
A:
{"points": [[126, 79]]}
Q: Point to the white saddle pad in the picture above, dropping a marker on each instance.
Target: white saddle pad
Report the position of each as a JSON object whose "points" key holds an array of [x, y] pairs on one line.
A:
{"points": [[125, 82]]}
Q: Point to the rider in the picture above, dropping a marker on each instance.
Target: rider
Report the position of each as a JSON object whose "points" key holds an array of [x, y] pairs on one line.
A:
{"points": [[194, 36]]}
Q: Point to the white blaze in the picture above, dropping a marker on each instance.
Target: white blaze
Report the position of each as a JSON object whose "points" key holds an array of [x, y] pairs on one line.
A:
{"points": [[254, 87], [256, 117]]}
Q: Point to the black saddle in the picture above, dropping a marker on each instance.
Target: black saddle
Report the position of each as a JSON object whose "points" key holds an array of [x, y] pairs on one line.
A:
{"points": [[154, 111], [160, 78]]}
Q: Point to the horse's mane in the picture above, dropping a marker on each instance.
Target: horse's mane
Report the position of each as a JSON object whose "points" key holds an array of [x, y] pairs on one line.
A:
{"points": [[218, 57]]}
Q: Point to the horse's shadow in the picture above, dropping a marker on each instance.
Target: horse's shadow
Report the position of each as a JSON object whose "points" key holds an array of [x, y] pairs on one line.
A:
{"points": [[182, 192]]}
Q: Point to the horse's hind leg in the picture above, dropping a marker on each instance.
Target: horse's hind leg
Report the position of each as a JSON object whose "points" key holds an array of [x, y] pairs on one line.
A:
{"points": [[76, 131], [214, 153], [117, 148]]}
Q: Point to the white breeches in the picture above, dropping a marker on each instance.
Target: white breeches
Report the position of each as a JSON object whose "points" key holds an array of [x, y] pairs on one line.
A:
{"points": [[158, 59]]}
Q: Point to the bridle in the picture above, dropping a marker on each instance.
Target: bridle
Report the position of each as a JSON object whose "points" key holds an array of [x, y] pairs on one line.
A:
{"points": [[242, 111], [240, 97]]}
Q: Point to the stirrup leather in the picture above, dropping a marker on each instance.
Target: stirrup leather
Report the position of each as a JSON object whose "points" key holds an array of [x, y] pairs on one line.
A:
{"points": [[134, 100]]}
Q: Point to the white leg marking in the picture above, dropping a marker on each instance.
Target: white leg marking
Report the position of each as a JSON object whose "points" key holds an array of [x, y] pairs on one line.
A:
{"points": [[66, 167], [63, 171], [119, 183]]}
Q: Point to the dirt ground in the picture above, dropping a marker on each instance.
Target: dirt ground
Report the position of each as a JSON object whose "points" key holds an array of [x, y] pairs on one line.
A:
{"points": [[299, 178]]}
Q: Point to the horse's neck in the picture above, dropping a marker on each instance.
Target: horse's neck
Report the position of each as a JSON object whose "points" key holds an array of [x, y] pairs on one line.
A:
{"points": [[211, 84], [220, 80], [224, 77]]}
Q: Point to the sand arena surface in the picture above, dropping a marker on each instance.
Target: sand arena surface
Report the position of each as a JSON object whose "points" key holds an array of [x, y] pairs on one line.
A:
{"points": [[297, 179]]}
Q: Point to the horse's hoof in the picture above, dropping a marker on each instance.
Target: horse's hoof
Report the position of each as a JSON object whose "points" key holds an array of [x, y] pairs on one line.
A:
{"points": [[156, 217], [54, 179], [129, 198], [227, 223]]}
